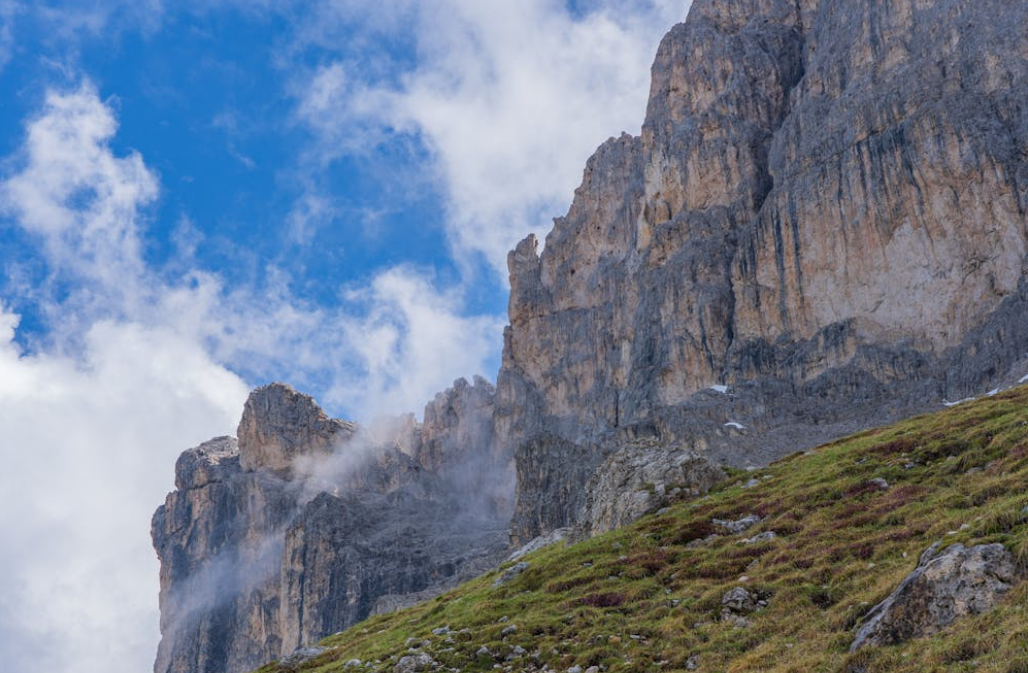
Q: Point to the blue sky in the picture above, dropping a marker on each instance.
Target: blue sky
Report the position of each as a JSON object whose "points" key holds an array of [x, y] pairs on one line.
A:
{"points": [[197, 197]]}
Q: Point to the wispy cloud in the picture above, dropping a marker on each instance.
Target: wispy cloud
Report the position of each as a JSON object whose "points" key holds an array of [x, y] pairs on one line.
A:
{"points": [[86, 207], [403, 303], [9, 10], [509, 98], [80, 201]]}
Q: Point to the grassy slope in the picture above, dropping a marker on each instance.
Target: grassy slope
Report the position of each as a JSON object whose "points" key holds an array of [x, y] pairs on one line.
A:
{"points": [[639, 599]]}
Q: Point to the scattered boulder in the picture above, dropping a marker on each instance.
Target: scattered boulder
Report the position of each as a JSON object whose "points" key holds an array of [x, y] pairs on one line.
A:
{"points": [[733, 527], [301, 656], [766, 536], [510, 573], [642, 477], [553, 537], [739, 602], [415, 663], [960, 581]]}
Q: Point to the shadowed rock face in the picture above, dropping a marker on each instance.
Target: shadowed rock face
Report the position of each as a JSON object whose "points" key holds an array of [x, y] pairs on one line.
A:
{"points": [[825, 212], [299, 529]]}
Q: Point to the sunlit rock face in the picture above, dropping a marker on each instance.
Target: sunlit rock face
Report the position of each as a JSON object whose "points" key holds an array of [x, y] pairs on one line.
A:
{"points": [[824, 216], [280, 424], [299, 529]]}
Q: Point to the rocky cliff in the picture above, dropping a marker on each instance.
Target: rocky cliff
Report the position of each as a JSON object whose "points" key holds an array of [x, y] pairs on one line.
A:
{"points": [[308, 524], [823, 226]]}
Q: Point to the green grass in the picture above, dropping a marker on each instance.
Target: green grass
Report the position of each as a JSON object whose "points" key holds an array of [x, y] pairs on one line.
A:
{"points": [[644, 599]]}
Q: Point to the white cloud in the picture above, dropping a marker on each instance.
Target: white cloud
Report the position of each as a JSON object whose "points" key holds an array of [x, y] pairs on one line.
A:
{"points": [[511, 98], [140, 368], [85, 205], [88, 448], [410, 340], [81, 201]]}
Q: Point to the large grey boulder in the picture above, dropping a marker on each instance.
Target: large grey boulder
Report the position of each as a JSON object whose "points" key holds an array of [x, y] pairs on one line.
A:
{"points": [[640, 479], [960, 581]]}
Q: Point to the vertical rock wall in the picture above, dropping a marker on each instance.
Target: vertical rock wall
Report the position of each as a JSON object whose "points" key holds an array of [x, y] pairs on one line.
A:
{"points": [[824, 216], [300, 528]]}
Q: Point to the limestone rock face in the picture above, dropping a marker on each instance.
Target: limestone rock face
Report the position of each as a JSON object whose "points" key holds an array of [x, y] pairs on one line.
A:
{"points": [[219, 540], [296, 531], [343, 553], [640, 479], [280, 424], [455, 422], [944, 587], [561, 485], [822, 226]]}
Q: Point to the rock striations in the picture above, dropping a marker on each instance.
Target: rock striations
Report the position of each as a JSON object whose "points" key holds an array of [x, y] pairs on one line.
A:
{"points": [[307, 524], [823, 226]]}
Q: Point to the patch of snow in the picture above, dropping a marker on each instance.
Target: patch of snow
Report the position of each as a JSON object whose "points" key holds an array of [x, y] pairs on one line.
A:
{"points": [[720, 389], [953, 404], [1024, 380], [733, 424], [992, 393]]}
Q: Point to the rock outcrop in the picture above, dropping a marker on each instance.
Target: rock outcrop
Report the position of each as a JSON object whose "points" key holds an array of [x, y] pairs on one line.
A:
{"points": [[571, 490], [956, 583], [279, 425], [823, 226], [300, 528]]}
